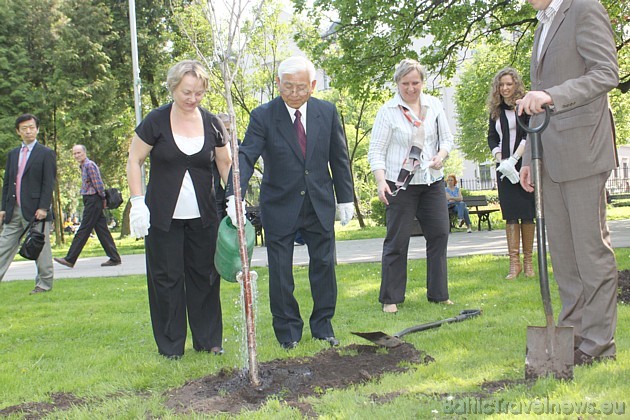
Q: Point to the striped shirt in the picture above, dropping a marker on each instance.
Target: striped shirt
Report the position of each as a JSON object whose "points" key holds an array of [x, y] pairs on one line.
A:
{"points": [[91, 182], [392, 136], [546, 18]]}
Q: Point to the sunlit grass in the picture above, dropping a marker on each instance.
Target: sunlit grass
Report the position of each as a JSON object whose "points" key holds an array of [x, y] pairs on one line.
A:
{"points": [[92, 337]]}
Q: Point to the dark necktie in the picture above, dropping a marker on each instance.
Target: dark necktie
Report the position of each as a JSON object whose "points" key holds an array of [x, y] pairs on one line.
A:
{"points": [[299, 129]]}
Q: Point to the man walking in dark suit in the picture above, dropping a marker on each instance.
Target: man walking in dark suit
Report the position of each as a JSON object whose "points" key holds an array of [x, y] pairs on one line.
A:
{"points": [[93, 192], [29, 178], [573, 67], [306, 164]]}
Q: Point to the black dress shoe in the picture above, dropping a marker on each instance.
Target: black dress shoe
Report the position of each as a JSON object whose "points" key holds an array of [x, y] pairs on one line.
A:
{"points": [[37, 290], [582, 359], [64, 262], [289, 345], [330, 340], [111, 263], [217, 351]]}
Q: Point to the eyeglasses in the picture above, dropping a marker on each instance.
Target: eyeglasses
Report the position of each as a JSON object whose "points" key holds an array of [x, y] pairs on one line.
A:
{"points": [[298, 90]]}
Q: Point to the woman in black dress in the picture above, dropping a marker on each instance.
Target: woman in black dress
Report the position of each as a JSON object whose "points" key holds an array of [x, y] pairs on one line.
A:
{"points": [[506, 140], [178, 216]]}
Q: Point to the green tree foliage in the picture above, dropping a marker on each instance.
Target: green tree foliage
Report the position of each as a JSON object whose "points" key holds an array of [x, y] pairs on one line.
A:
{"points": [[373, 36], [69, 62], [472, 89], [26, 41], [364, 41]]}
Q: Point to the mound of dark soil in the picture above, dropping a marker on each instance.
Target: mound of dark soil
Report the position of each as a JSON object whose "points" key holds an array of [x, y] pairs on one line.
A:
{"points": [[624, 286], [37, 410], [290, 379]]}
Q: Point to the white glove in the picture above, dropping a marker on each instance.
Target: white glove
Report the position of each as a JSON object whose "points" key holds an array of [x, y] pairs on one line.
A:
{"points": [[231, 210], [507, 168], [346, 212], [139, 217]]}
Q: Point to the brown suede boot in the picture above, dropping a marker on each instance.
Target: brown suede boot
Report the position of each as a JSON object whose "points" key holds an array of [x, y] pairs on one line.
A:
{"points": [[527, 236], [513, 233]]}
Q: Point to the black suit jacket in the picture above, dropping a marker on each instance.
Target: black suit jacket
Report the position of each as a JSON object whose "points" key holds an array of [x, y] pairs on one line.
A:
{"points": [[288, 176], [38, 182]]}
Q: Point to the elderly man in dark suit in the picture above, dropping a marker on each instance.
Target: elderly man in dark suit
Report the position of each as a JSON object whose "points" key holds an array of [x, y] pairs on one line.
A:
{"points": [[573, 67], [29, 178], [306, 164]]}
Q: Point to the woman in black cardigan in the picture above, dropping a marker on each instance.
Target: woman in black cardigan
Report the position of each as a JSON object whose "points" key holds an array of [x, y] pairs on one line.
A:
{"points": [[178, 215], [506, 140]]}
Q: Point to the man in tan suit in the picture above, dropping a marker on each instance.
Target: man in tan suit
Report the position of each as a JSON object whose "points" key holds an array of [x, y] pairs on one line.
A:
{"points": [[573, 67]]}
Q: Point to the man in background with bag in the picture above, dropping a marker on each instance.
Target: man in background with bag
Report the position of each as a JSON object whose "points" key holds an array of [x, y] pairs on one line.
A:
{"points": [[29, 178], [93, 192]]}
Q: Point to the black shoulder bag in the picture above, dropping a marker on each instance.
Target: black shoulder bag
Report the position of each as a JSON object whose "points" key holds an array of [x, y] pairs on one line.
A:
{"points": [[34, 241]]}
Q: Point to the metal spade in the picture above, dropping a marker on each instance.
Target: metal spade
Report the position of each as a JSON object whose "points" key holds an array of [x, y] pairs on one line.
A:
{"points": [[385, 340], [549, 348]]}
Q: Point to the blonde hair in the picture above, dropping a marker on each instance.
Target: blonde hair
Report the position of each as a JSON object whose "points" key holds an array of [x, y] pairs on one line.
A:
{"points": [[406, 66], [181, 69], [495, 98]]}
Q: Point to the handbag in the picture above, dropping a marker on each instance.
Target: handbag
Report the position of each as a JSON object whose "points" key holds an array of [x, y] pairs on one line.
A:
{"points": [[113, 198], [34, 241]]}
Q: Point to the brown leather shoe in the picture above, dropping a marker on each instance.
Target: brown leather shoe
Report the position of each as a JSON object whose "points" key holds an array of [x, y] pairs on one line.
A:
{"points": [[37, 290], [64, 262], [111, 263]]}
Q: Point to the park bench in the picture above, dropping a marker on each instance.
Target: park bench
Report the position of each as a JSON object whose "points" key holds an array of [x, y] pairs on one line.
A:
{"points": [[618, 196], [475, 201]]}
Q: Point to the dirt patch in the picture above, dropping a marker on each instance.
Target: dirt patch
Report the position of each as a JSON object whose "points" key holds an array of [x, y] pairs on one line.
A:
{"points": [[36, 410], [624, 286], [290, 379]]}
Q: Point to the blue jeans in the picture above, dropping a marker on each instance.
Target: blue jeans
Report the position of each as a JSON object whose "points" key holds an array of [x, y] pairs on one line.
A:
{"points": [[462, 211]]}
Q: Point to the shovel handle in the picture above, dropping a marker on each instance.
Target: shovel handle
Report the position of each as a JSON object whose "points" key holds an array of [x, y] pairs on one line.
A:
{"points": [[541, 239], [535, 132], [465, 314], [541, 127]]}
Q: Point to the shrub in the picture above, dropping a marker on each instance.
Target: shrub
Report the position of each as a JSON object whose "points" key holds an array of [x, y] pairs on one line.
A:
{"points": [[378, 211]]}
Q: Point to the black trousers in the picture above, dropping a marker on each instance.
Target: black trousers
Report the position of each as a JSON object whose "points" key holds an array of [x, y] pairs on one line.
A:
{"points": [[287, 322], [93, 219], [428, 204], [182, 286]]}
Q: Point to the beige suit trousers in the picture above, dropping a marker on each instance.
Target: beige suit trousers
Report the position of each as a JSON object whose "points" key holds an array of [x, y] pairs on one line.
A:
{"points": [[583, 260]]}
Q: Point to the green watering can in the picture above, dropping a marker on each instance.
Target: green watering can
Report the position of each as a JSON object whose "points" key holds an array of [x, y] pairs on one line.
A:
{"points": [[227, 257]]}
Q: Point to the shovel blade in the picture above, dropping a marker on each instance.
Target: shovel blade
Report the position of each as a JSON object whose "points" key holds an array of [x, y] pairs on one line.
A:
{"points": [[380, 339], [549, 352]]}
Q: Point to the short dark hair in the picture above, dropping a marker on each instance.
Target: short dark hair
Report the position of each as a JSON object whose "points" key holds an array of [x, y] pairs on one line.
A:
{"points": [[26, 117]]}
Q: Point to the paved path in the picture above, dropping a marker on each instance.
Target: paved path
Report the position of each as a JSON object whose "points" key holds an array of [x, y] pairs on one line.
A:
{"points": [[363, 250]]}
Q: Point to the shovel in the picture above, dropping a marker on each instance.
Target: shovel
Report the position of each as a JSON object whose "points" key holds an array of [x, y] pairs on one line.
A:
{"points": [[549, 348], [384, 340]]}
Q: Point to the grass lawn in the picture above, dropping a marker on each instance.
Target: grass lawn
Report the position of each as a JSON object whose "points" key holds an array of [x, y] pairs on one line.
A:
{"points": [[92, 338]]}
